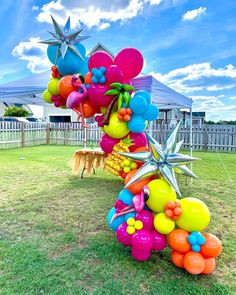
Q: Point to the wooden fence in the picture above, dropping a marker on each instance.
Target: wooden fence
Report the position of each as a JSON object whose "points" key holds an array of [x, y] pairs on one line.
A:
{"points": [[207, 138]]}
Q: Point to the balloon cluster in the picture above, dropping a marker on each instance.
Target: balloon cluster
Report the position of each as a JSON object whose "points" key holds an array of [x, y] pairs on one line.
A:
{"points": [[147, 216]]}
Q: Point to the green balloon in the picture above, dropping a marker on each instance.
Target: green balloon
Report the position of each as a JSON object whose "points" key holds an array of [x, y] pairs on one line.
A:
{"points": [[53, 86], [47, 96]]}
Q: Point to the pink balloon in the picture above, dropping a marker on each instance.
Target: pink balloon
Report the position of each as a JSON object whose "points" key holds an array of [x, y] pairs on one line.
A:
{"points": [[147, 219], [141, 255], [122, 236], [139, 139], [107, 143], [130, 61], [114, 74], [99, 59], [142, 240], [159, 241], [96, 94]]}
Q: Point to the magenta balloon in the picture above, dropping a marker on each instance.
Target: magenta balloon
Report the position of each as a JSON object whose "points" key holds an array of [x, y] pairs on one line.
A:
{"points": [[147, 219], [114, 74], [159, 241], [142, 240], [139, 139], [130, 61], [96, 95], [141, 255], [122, 236], [107, 143], [100, 59]]}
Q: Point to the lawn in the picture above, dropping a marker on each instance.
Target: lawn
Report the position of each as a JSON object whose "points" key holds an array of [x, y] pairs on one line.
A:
{"points": [[54, 238]]}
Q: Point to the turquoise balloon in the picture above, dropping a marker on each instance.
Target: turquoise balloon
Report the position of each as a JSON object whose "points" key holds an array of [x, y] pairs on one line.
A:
{"points": [[136, 124], [151, 113], [116, 222], [126, 197]]}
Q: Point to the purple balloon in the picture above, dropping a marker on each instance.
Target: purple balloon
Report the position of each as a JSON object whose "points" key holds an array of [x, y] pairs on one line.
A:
{"points": [[122, 236], [107, 143], [142, 240], [97, 95], [139, 139], [159, 241], [147, 219], [100, 59], [114, 74], [141, 255]]}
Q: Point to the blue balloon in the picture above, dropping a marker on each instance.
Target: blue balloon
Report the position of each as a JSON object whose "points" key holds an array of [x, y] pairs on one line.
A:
{"points": [[82, 66], [145, 95], [126, 197], [151, 113], [192, 239], [80, 48], [116, 222], [102, 80], [136, 124], [201, 240], [195, 248], [51, 53], [138, 104], [94, 80]]}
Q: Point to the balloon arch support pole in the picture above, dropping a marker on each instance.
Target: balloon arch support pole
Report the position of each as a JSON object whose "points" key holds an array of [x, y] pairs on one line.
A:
{"points": [[191, 141]]}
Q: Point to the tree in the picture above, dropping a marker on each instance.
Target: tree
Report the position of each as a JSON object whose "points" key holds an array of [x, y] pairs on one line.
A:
{"points": [[16, 112]]}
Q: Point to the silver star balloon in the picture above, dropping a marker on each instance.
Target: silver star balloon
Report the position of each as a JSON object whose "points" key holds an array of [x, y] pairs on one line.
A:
{"points": [[164, 159], [65, 39]]}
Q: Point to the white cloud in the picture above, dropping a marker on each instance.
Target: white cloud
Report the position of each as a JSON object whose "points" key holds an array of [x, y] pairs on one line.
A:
{"points": [[34, 53], [35, 8], [192, 14], [96, 14], [198, 77]]}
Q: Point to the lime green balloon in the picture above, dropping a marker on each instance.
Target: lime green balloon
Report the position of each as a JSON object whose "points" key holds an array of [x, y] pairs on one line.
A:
{"points": [[47, 96], [195, 215], [53, 86], [116, 128], [160, 194], [163, 224]]}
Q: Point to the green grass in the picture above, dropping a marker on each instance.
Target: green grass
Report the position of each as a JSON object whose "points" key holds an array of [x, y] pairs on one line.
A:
{"points": [[54, 238]]}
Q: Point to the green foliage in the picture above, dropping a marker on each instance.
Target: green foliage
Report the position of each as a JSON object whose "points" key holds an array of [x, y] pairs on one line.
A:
{"points": [[221, 122], [16, 112], [54, 238]]}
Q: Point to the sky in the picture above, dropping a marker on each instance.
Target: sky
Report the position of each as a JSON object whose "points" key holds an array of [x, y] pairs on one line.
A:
{"points": [[189, 45]]}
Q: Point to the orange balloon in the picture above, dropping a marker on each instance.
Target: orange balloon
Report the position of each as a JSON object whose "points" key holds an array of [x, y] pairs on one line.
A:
{"points": [[194, 263], [88, 78], [88, 109], [65, 87], [142, 149], [212, 247], [136, 187], [178, 240], [210, 265], [177, 259]]}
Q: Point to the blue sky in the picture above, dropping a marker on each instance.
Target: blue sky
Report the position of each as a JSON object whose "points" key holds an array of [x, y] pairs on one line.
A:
{"points": [[190, 45]]}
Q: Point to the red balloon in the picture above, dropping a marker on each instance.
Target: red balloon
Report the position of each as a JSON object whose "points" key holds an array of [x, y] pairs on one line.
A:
{"points": [[100, 59], [130, 61]]}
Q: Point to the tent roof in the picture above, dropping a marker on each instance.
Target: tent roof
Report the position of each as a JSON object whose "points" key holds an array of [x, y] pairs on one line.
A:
{"points": [[25, 91], [162, 95], [29, 91]]}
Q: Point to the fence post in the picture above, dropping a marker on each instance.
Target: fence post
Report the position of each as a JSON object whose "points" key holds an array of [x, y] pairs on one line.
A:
{"points": [[48, 130], [205, 138], [22, 134], [66, 134]]}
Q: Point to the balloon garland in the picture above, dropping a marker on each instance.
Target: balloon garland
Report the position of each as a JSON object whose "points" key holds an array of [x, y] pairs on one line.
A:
{"points": [[147, 214]]}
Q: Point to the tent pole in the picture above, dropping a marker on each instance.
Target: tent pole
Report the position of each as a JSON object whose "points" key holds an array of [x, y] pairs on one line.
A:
{"points": [[191, 140]]}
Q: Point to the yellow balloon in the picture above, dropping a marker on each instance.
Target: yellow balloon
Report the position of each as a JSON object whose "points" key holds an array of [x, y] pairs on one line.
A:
{"points": [[130, 230], [116, 128], [53, 86], [138, 224], [160, 194], [163, 224], [131, 221], [47, 96], [195, 215]]}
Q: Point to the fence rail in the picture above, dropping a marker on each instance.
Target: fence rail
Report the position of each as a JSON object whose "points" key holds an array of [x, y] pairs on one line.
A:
{"points": [[17, 134]]}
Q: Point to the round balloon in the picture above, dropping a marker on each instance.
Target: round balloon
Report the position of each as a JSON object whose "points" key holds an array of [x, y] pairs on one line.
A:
{"points": [[138, 140], [107, 143], [136, 124], [194, 263], [210, 264], [116, 128], [138, 104], [159, 241], [126, 197], [88, 109], [137, 186], [53, 86], [65, 86], [130, 61], [160, 194], [178, 240], [47, 96], [151, 113], [96, 93], [177, 259], [212, 247], [142, 240], [163, 224], [122, 236], [99, 59], [114, 74], [195, 215], [116, 222]]}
